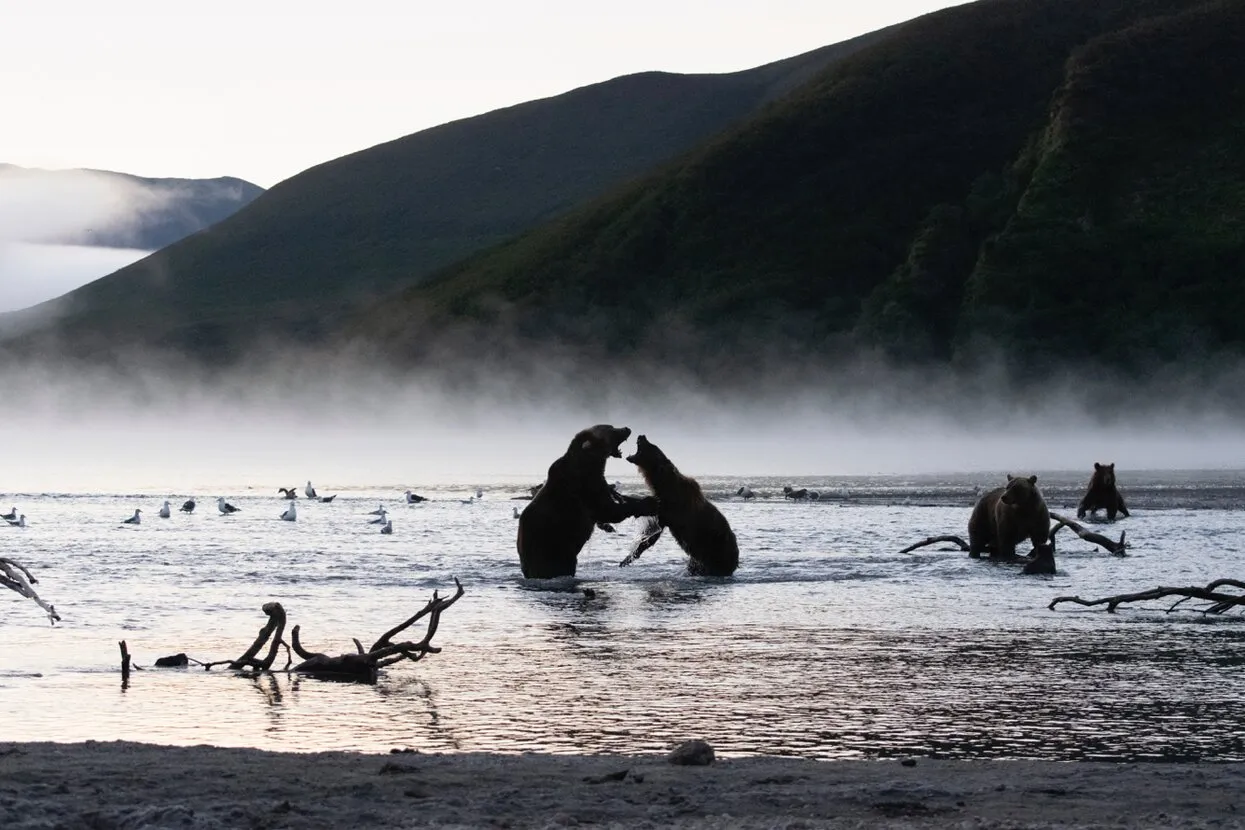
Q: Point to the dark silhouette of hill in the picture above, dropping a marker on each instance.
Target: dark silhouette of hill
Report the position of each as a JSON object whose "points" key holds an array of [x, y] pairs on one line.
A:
{"points": [[142, 213], [365, 225], [1061, 180]]}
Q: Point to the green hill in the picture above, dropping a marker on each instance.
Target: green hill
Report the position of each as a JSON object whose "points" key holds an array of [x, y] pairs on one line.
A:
{"points": [[1058, 179], [357, 228]]}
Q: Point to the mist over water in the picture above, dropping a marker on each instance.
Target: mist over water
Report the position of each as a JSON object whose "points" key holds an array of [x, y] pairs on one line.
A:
{"points": [[159, 424], [31, 273]]}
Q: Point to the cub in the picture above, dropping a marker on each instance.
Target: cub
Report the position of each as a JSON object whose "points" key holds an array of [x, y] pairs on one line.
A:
{"points": [[574, 499], [699, 527], [1006, 516], [1102, 493]]}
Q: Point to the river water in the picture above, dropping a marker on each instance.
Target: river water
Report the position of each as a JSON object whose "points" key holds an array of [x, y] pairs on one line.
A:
{"points": [[827, 643]]}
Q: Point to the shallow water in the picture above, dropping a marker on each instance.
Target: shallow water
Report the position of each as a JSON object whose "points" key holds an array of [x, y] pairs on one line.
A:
{"points": [[827, 643]]}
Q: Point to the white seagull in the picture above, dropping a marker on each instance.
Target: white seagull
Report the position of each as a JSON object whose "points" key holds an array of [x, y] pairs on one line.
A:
{"points": [[382, 518], [164, 511], [380, 511], [309, 491], [21, 521], [388, 528], [133, 520], [516, 512], [412, 498], [471, 500], [225, 507], [290, 514], [479, 493], [11, 516]]}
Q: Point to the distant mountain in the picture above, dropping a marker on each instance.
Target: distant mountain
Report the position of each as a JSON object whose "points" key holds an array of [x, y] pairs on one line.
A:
{"points": [[341, 235], [1054, 180], [114, 210]]}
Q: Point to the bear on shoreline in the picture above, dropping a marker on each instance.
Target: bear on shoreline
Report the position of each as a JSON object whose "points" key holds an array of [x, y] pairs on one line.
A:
{"points": [[700, 528], [1008, 515], [574, 500], [1102, 493]]}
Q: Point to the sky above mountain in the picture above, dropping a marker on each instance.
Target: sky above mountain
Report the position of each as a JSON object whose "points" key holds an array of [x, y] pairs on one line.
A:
{"points": [[264, 91]]}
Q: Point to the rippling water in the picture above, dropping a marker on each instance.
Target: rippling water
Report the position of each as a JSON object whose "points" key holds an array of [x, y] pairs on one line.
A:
{"points": [[827, 643]]}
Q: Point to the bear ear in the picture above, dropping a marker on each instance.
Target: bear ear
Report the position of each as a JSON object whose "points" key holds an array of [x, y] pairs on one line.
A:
{"points": [[1111, 466], [1033, 479], [1097, 466], [1009, 476]]}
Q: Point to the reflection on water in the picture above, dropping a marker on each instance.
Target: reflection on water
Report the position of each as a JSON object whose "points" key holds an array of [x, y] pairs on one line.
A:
{"points": [[826, 644]]}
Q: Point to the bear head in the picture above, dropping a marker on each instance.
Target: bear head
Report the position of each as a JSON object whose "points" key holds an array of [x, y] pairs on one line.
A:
{"points": [[648, 456], [599, 442], [1104, 474], [1020, 491]]}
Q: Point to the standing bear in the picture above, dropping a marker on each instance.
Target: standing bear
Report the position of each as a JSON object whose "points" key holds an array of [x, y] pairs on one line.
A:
{"points": [[699, 527], [1102, 493], [1008, 515], [574, 499]]}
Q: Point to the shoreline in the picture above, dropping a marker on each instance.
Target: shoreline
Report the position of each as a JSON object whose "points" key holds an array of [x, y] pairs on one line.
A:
{"points": [[134, 785]]}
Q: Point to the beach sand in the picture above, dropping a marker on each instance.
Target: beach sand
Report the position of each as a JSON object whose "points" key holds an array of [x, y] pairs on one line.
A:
{"points": [[130, 786]]}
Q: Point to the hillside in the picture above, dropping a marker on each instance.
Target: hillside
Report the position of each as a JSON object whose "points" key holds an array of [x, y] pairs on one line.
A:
{"points": [[1058, 179], [113, 210], [357, 228]]}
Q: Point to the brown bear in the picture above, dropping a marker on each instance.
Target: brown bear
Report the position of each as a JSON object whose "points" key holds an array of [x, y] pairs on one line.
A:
{"points": [[1008, 515], [574, 499], [699, 527], [1102, 493]]}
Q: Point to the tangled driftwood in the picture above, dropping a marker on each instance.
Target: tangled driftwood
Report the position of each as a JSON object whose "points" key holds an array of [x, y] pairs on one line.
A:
{"points": [[360, 666], [16, 577], [1220, 602], [1117, 548]]}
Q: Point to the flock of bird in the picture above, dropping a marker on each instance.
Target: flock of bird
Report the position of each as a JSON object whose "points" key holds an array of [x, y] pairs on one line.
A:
{"points": [[290, 494]]}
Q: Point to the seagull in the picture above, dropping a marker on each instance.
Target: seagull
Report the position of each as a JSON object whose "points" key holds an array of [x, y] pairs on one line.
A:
{"points": [[133, 520], [188, 506], [471, 500], [388, 528], [479, 493], [746, 492], [382, 518], [380, 511], [225, 507], [10, 516], [290, 493], [309, 491], [290, 514], [412, 498], [164, 510], [516, 512], [327, 499], [21, 521]]}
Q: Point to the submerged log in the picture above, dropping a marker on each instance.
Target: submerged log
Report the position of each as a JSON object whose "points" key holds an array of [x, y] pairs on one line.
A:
{"points": [[1220, 601], [933, 540], [1117, 548]]}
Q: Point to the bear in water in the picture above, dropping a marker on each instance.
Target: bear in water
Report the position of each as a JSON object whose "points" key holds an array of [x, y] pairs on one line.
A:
{"points": [[699, 527], [1102, 493], [574, 499], [1008, 515]]}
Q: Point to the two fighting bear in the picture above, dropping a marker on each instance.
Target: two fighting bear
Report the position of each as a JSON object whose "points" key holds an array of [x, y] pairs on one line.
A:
{"points": [[575, 498]]}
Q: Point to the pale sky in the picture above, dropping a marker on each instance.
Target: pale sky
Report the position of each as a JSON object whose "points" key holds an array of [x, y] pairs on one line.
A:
{"points": [[263, 90]]}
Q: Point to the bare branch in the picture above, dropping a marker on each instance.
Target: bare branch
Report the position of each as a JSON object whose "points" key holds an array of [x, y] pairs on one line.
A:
{"points": [[1117, 548], [15, 577], [933, 540], [1221, 601]]}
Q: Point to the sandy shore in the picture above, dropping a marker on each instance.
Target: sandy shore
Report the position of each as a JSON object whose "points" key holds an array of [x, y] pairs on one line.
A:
{"points": [[130, 786]]}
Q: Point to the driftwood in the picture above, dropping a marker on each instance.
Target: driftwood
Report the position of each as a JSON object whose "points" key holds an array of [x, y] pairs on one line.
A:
{"points": [[1220, 602], [16, 577], [1117, 548], [933, 540], [361, 666]]}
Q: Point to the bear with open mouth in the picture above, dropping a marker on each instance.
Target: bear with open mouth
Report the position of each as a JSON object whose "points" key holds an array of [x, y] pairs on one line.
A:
{"points": [[574, 500], [699, 527]]}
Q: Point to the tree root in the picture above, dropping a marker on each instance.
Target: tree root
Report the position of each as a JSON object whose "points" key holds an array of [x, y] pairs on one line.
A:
{"points": [[359, 666], [16, 577], [1220, 602], [1117, 548]]}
